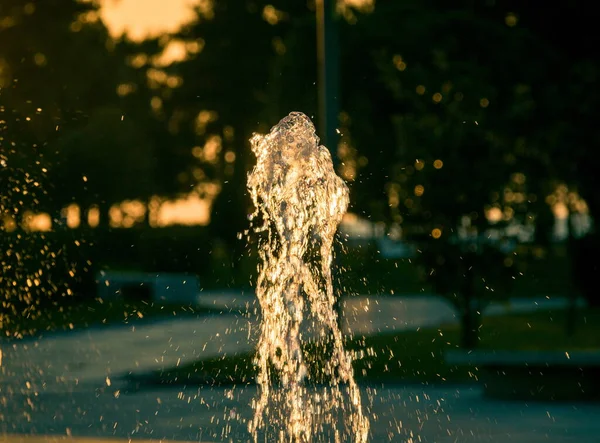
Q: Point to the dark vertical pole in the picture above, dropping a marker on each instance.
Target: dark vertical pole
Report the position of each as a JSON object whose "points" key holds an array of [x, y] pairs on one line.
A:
{"points": [[327, 60], [327, 63]]}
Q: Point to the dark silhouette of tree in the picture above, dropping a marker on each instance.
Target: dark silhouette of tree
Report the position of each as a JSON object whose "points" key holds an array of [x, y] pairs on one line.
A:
{"points": [[108, 160], [220, 103], [441, 103], [60, 76]]}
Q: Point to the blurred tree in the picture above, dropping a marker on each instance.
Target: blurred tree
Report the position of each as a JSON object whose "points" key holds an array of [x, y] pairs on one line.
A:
{"points": [[565, 120], [440, 122], [215, 109], [58, 72], [108, 160], [62, 84]]}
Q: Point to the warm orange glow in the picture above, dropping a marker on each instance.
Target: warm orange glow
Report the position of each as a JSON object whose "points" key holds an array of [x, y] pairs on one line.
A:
{"points": [[125, 89], [394, 195], [9, 224], [203, 118], [73, 215], [494, 215], [93, 216], [156, 104], [115, 216], [399, 63], [188, 210], [230, 156], [212, 148], [438, 164], [348, 169], [174, 51], [272, 15], [127, 213], [141, 19], [37, 222], [419, 190], [560, 210], [360, 5], [436, 233]]}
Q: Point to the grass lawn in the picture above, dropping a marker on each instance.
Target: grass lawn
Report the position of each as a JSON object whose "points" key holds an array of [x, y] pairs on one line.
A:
{"points": [[96, 312], [415, 356]]}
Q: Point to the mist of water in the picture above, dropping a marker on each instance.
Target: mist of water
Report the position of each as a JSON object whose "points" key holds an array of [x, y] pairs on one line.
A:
{"points": [[307, 390]]}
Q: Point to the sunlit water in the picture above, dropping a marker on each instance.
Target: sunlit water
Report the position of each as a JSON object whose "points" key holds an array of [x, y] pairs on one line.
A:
{"points": [[299, 203]]}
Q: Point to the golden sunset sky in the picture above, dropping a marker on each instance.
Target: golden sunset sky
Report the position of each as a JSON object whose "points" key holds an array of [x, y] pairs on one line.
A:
{"points": [[149, 18], [145, 18]]}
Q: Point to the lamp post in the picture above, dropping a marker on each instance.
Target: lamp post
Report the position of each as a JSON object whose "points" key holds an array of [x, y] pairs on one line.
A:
{"points": [[328, 70], [328, 94]]}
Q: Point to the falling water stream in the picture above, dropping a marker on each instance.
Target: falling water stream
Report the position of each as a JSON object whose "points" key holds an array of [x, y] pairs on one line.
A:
{"points": [[307, 390]]}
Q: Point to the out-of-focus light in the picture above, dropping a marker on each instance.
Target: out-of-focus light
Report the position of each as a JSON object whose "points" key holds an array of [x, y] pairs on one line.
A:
{"points": [[230, 156], [484, 102], [39, 59], [137, 61], [203, 118], [72, 214], [125, 89], [37, 222], [272, 15], [436, 233], [29, 8], [560, 210], [420, 89], [93, 216], [189, 210], [438, 164], [399, 62], [9, 224], [419, 190], [211, 149], [359, 5], [278, 46], [437, 97], [511, 19], [156, 104], [494, 215]]}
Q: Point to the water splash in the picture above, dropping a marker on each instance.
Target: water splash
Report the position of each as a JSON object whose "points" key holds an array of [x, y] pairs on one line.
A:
{"points": [[301, 201]]}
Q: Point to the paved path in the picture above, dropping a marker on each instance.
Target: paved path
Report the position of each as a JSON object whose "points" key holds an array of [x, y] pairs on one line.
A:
{"points": [[377, 314], [98, 355], [398, 414], [68, 384]]}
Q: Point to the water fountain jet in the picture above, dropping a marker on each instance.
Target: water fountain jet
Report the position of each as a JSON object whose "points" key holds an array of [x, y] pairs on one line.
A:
{"points": [[300, 201]]}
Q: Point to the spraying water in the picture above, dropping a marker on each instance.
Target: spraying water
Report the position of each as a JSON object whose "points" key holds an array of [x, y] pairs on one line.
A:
{"points": [[301, 201]]}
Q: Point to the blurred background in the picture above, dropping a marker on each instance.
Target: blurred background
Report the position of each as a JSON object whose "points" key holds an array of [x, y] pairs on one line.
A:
{"points": [[465, 130]]}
